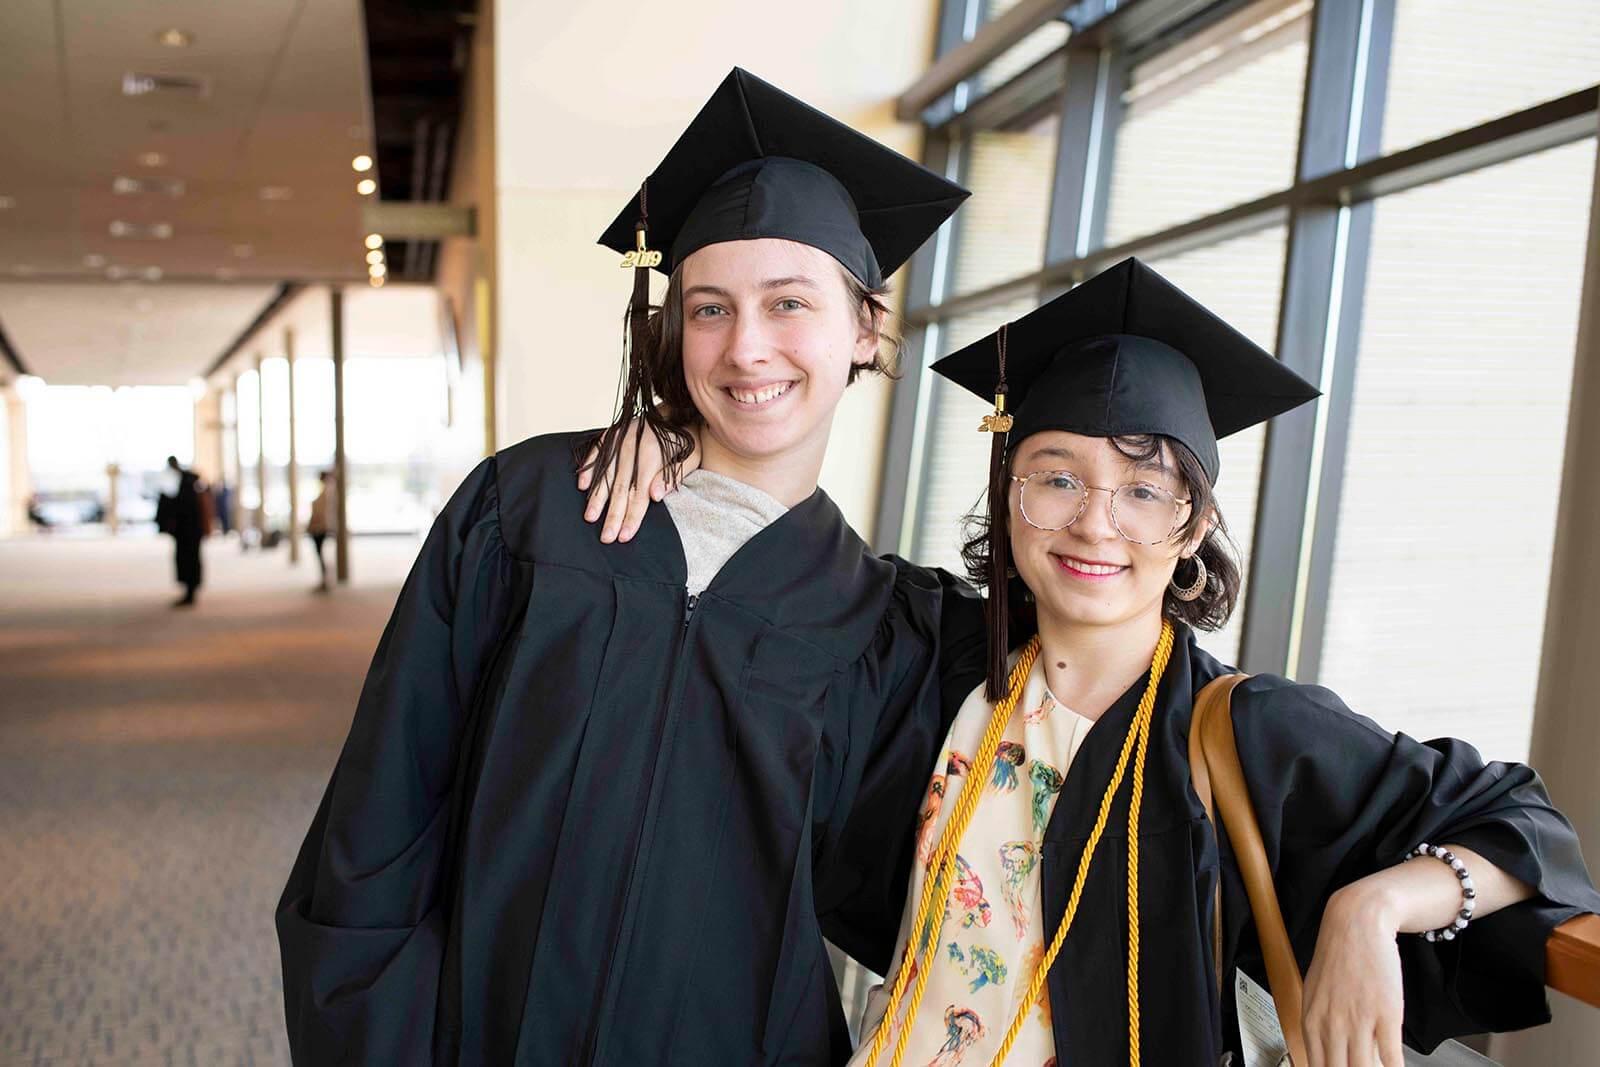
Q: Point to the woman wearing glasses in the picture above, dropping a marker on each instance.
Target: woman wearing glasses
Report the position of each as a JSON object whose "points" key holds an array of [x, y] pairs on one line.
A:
{"points": [[1074, 873]]}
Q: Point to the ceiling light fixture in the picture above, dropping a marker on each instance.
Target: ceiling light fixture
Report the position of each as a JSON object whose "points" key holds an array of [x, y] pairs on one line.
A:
{"points": [[94, 261], [243, 251], [276, 192], [377, 270], [175, 38], [375, 256], [366, 186], [361, 164], [151, 159], [377, 281], [7, 202], [154, 231], [374, 240]]}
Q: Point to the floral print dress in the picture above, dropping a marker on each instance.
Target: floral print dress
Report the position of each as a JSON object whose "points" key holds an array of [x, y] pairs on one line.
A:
{"points": [[992, 937]]}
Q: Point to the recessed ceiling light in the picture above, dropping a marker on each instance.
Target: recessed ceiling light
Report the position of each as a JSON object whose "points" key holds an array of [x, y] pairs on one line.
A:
{"points": [[94, 261], [361, 164], [7, 202], [116, 274], [375, 256], [377, 270], [154, 231], [175, 38], [374, 240], [123, 185], [151, 159], [366, 186], [377, 281], [243, 251], [152, 274], [276, 192]]}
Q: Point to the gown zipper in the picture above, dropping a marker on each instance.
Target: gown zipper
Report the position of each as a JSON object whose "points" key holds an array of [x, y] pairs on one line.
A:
{"points": [[614, 970]]}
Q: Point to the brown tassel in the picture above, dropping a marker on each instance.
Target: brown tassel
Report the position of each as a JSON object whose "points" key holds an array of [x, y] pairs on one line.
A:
{"points": [[636, 399], [998, 607]]}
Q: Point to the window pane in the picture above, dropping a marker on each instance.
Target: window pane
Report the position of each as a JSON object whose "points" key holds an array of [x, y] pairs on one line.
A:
{"points": [[1210, 123], [1022, 55], [956, 456], [1441, 566], [1458, 63], [1000, 232], [1240, 280]]}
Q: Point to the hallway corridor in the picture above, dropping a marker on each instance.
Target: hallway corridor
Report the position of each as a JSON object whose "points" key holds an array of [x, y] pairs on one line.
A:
{"points": [[157, 770]]}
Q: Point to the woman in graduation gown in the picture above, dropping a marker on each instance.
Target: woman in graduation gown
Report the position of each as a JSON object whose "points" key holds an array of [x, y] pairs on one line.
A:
{"points": [[1101, 511], [585, 813]]}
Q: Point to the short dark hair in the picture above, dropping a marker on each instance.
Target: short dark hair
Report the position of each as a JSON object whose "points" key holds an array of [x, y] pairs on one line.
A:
{"points": [[1213, 607], [661, 364]]}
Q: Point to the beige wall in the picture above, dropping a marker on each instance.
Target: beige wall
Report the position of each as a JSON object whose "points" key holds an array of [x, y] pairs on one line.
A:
{"points": [[588, 98], [1566, 732], [467, 264]]}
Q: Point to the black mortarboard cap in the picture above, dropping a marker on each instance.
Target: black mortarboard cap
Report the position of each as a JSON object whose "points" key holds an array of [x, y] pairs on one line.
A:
{"points": [[756, 162], [1128, 352]]}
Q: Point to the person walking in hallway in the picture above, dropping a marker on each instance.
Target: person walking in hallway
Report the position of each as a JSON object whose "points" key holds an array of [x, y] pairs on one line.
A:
{"points": [[181, 515], [317, 526]]}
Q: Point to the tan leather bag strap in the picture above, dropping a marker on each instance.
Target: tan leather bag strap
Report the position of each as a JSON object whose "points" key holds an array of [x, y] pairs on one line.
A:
{"points": [[1215, 771]]}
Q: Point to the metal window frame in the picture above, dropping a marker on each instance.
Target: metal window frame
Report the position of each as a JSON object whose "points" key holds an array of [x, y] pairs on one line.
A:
{"points": [[1327, 210], [904, 454]]}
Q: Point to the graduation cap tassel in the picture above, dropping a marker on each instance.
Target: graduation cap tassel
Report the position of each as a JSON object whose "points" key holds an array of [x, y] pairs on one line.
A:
{"points": [[636, 401], [998, 426]]}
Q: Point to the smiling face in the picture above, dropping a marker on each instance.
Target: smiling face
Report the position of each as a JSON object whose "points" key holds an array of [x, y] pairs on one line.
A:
{"points": [[770, 333], [1088, 573]]}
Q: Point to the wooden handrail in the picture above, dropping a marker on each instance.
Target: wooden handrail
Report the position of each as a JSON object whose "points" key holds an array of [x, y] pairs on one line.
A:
{"points": [[1572, 959]]}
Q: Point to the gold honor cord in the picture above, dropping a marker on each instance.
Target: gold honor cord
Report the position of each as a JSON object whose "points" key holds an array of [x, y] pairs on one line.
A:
{"points": [[1138, 738]]}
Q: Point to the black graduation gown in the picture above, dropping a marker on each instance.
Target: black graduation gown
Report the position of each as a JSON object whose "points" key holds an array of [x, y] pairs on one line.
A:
{"points": [[577, 822], [1338, 798], [179, 515]]}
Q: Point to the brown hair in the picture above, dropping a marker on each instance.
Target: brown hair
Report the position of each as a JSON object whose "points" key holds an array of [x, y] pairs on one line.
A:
{"points": [[654, 385], [1209, 611]]}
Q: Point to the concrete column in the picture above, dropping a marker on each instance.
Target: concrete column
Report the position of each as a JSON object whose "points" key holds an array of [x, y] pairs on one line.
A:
{"points": [[261, 453], [19, 479], [1566, 732], [236, 507], [341, 537], [208, 459], [113, 511], [294, 462]]}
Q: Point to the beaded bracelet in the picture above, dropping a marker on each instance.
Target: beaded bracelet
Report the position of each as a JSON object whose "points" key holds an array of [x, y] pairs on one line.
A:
{"points": [[1469, 893]]}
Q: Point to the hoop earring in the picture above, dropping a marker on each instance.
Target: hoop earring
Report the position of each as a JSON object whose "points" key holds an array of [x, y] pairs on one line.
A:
{"points": [[1193, 590]]}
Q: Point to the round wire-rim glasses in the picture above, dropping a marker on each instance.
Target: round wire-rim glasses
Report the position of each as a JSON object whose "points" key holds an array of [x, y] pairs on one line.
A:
{"points": [[1162, 500]]}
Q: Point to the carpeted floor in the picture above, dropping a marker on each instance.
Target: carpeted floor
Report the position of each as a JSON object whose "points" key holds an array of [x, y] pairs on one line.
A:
{"points": [[157, 771]]}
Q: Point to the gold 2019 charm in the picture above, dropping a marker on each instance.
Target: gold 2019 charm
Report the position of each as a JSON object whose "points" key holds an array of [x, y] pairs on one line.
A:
{"points": [[641, 256]]}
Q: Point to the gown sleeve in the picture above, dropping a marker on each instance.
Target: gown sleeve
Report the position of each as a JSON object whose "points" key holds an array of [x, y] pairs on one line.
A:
{"points": [[1339, 798], [360, 925], [901, 698]]}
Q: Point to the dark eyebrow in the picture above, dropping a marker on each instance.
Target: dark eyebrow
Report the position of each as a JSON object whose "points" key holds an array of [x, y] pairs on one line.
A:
{"points": [[784, 283], [1057, 453], [710, 290]]}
